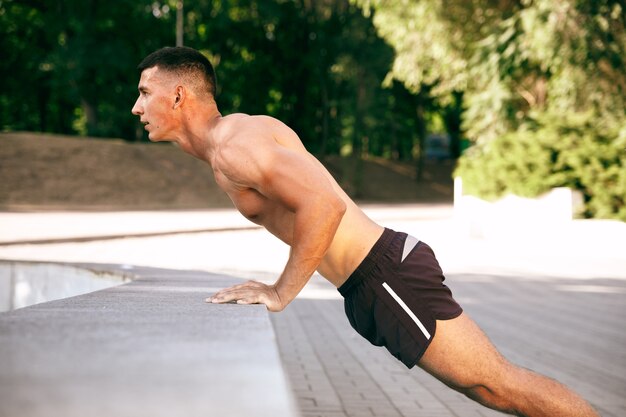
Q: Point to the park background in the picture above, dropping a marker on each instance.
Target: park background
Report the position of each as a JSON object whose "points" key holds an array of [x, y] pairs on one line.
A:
{"points": [[513, 96]]}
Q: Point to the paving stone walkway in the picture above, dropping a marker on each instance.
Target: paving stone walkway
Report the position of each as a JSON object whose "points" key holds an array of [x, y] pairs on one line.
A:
{"points": [[571, 330]]}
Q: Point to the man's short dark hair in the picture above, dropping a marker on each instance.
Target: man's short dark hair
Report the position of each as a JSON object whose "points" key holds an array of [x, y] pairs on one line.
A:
{"points": [[185, 62]]}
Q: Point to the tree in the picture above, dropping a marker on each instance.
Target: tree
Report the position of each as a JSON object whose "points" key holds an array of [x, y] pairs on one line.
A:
{"points": [[555, 150], [71, 64], [529, 72], [24, 42], [510, 58]]}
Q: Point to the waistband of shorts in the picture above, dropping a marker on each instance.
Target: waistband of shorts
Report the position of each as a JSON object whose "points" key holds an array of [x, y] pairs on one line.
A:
{"points": [[370, 261]]}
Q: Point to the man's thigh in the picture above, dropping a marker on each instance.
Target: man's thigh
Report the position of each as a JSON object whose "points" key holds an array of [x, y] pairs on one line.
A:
{"points": [[461, 355]]}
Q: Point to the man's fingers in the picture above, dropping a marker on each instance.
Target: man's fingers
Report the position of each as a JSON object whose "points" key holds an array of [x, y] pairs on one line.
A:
{"points": [[248, 291], [239, 299], [225, 296], [238, 287], [251, 292]]}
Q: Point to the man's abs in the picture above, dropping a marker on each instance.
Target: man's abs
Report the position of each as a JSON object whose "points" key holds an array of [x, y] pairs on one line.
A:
{"points": [[355, 236]]}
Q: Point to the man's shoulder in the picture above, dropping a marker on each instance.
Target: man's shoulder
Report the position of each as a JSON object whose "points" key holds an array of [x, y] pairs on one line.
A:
{"points": [[243, 130], [244, 136], [246, 121], [247, 149]]}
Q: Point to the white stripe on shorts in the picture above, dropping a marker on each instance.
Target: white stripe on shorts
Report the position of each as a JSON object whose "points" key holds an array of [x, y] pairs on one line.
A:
{"points": [[409, 244], [407, 309]]}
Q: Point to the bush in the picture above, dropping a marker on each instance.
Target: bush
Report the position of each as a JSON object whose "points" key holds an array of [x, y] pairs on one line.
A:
{"points": [[552, 151]]}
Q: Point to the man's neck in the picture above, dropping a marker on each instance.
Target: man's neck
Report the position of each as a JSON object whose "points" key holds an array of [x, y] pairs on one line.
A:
{"points": [[199, 133]]}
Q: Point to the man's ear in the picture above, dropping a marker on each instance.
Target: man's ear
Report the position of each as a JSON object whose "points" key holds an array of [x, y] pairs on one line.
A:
{"points": [[179, 97]]}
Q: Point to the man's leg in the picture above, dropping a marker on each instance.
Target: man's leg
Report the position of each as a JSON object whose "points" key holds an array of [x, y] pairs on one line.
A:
{"points": [[462, 357]]}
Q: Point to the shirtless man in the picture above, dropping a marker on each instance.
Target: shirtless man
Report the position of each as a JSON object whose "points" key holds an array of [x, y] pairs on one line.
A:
{"points": [[392, 284]]}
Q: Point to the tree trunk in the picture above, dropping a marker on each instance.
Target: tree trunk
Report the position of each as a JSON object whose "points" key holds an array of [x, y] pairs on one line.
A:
{"points": [[420, 123], [357, 138], [325, 113], [452, 117], [91, 114]]}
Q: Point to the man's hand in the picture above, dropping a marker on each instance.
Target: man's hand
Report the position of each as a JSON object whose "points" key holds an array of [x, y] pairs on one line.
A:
{"points": [[251, 292]]}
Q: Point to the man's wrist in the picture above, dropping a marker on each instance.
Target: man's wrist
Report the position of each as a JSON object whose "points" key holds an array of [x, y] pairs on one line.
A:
{"points": [[275, 303], [284, 295]]}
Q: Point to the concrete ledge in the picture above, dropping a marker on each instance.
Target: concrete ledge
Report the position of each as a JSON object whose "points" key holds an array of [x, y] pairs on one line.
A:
{"points": [[148, 347]]}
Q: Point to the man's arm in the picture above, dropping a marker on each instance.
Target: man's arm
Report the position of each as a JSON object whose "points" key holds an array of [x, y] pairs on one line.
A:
{"points": [[293, 180]]}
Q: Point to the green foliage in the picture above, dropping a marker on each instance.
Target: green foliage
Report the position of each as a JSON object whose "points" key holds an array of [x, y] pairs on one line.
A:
{"points": [[73, 60], [318, 66], [553, 151], [510, 58]]}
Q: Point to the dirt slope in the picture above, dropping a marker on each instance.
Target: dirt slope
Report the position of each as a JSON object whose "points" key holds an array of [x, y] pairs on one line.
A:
{"points": [[44, 172]]}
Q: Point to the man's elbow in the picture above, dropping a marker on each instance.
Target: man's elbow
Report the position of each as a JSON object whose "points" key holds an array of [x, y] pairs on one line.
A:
{"points": [[329, 209], [339, 207]]}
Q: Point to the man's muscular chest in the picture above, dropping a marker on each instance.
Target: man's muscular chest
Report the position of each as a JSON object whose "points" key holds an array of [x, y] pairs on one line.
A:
{"points": [[248, 201], [257, 207]]}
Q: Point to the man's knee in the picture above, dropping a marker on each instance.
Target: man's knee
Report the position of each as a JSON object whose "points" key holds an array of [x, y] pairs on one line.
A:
{"points": [[495, 389], [462, 357], [491, 394]]}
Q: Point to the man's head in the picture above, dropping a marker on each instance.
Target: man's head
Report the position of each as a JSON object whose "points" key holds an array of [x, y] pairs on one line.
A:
{"points": [[171, 78], [186, 64]]}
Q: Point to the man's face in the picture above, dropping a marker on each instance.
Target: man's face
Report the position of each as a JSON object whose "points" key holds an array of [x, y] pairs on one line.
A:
{"points": [[155, 104]]}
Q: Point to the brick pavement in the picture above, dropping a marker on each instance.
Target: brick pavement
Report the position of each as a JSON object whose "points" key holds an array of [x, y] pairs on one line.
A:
{"points": [[571, 330]]}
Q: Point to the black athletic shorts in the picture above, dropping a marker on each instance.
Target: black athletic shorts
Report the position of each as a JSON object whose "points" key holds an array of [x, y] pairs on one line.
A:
{"points": [[396, 294]]}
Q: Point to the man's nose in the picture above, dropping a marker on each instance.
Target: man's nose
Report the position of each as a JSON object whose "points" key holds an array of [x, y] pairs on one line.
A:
{"points": [[136, 110]]}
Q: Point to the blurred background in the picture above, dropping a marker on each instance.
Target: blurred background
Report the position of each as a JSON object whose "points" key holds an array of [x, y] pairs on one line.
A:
{"points": [[394, 96]]}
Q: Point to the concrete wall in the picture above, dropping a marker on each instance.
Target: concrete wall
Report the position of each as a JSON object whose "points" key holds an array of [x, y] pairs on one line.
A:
{"points": [[513, 215], [151, 347]]}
